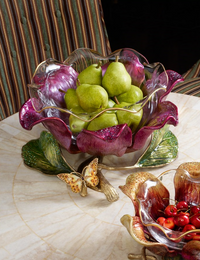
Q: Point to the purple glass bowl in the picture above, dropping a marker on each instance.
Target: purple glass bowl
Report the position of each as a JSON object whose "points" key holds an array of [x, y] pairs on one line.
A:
{"points": [[150, 196], [52, 76]]}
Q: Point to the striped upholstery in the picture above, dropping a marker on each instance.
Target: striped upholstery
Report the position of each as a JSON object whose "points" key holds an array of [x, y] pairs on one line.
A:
{"points": [[191, 84], [33, 30]]}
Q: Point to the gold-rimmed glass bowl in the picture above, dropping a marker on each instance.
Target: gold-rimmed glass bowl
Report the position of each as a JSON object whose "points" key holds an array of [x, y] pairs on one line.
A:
{"points": [[52, 78]]}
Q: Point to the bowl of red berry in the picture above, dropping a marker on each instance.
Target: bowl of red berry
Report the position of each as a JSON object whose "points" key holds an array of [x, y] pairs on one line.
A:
{"points": [[167, 211]]}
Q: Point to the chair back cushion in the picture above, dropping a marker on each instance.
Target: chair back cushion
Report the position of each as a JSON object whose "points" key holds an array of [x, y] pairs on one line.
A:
{"points": [[34, 30], [191, 84]]}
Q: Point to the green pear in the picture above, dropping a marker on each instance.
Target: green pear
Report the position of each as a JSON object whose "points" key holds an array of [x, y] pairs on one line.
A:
{"points": [[92, 97], [131, 119], [107, 119], [71, 99], [116, 79], [76, 124], [91, 75], [111, 103], [133, 95]]}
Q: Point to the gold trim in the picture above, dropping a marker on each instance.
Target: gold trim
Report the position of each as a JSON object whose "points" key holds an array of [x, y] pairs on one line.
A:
{"points": [[143, 102]]}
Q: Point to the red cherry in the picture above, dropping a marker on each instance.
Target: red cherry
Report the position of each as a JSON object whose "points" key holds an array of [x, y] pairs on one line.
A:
{"points": [[184, 213], [194, 210], [187, 228], [181, 220], [161, 220], [170, 211], [169, 223], [195, 220], [182, 205]]}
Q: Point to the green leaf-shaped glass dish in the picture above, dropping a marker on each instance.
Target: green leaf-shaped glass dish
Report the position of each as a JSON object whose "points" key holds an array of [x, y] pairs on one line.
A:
{"points": [[44, 154]]}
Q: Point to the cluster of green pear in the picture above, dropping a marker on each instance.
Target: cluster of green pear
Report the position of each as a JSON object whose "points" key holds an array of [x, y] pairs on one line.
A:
{"points": [[95, 93]]}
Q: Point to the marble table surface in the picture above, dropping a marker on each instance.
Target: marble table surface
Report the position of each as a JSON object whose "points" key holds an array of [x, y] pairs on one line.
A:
{"points": [[41, 218]]}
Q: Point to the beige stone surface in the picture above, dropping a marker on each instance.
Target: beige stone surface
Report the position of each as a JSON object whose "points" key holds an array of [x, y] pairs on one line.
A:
{"points": [[41, 218]]}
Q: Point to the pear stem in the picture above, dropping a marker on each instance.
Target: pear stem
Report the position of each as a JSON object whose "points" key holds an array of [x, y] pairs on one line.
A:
{"points": [[61, 90], [99, 64], [117, 58], [78, 82], [116, 100]]}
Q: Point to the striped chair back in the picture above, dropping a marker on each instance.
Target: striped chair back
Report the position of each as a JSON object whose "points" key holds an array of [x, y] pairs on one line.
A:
{"points": [[33, 30], [191, 83]]}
